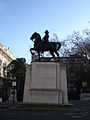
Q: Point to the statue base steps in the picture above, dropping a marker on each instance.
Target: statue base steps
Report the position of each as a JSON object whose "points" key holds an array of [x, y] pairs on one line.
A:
{"points": [[46, 83]]}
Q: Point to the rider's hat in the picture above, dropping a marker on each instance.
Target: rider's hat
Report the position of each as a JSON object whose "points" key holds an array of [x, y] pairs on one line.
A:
{"points": [[46, 31]]}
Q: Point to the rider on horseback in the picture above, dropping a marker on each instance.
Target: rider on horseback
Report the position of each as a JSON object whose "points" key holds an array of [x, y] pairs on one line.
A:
{"points": [[39, 47], [45, 39]]}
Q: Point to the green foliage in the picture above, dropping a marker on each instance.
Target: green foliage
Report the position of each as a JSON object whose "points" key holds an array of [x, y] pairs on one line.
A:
{"points": [[77, 49], [5, 89], [17, 69], [45, 106]]}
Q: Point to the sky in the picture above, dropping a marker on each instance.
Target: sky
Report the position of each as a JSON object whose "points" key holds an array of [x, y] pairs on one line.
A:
{"points": [[19, 19]]}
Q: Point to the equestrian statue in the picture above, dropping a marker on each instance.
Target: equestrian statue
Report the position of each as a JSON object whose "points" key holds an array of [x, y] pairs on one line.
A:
{"points": [[43, 45]]}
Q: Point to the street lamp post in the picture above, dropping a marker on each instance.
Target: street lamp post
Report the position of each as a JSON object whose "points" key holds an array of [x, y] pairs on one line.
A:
{"points": [[13, 92]]}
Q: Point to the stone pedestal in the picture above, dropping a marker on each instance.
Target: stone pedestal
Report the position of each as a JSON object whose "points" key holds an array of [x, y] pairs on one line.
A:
{"points": [[46, 83]]}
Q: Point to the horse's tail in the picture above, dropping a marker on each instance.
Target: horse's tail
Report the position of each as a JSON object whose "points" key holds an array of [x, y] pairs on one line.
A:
{"points": [[58, 46]]}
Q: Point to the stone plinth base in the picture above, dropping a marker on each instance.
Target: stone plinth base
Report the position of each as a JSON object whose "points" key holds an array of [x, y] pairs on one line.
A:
{"points": [[46, 83]]}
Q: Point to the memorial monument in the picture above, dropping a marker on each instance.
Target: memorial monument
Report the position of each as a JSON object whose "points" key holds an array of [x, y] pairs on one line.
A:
{"points": [[45, 81]]}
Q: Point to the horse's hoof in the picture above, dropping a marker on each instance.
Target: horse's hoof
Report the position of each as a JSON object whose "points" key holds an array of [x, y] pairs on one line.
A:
{"points": [[48, 60], [59, 59], [32, 53]]}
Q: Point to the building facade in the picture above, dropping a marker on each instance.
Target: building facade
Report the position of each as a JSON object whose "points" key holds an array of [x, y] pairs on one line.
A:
{"points": [[5, 58]]}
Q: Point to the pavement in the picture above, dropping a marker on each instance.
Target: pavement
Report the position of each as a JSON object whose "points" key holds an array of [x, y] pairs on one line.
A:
{"points": [[8, 104], [81, 104], [77, 104]]}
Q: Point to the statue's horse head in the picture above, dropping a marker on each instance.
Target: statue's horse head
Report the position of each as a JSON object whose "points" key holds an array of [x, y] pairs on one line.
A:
{"points": [[35, 36]]}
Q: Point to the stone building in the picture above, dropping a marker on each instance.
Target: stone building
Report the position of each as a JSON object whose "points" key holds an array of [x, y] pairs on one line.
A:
{"points": [[5, 58]]}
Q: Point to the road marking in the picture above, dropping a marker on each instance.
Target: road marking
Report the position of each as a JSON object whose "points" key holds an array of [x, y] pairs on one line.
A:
{"points": [[77, 116], [45, 114], [68, 113]]}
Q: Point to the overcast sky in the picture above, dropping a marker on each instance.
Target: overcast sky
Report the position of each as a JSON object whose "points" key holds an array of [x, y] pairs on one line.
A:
{"points": [[20, 18]]}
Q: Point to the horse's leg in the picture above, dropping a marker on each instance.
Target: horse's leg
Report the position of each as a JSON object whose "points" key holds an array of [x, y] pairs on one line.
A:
{"points": [[31, 51], [38, 56], [53, 56], [57, 54]]}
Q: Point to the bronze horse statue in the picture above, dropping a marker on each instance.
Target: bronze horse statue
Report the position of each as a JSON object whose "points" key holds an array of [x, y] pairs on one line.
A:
{"points": [[40, 46]]}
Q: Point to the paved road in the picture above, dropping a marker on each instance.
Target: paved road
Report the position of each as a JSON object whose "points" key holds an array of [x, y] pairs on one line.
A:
{"points": [[81, 111], [44, 115]]}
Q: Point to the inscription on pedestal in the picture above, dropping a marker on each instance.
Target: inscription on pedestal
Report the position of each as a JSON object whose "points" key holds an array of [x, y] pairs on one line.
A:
{"points": [[44, 75]]}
